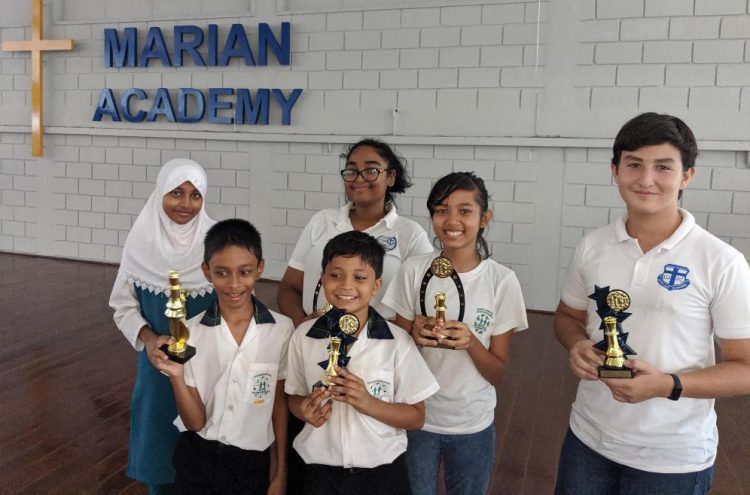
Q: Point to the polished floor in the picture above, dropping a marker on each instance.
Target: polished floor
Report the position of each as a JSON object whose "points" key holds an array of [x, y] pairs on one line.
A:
{"points": [[66, 375]]}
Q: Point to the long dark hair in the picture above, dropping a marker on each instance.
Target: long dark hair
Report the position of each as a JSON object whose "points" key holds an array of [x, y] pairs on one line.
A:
{"points": [[462, 181], [394, 162]]}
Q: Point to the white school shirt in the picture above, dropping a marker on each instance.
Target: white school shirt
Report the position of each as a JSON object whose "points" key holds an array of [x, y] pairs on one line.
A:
{"points": [[386, 359], [684, 292], [399, 236], [237, 384], [494, 305]]}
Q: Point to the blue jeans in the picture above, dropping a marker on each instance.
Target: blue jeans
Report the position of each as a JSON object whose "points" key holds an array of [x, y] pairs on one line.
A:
{"points": [[467, 461], [584, 472]]}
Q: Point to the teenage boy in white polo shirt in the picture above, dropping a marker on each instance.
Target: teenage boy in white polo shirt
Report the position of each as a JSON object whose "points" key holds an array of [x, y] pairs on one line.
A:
{"points": [[656, 432], [354, 439], [230, 396]]}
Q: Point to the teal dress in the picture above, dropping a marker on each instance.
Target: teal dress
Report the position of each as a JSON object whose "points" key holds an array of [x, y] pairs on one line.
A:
{"points": [[153, 410]]}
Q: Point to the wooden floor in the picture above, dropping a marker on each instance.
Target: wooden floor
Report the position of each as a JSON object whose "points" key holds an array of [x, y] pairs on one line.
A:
{"points": [[66, 375]]}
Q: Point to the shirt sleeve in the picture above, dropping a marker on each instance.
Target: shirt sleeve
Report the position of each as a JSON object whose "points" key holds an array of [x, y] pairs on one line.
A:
{"points": [[128, 317], [510, 309], [303, 246], [188, 373], [413, 379], [420, 244], [575, 292], [730, 307], [400, 295], [288, 329], [295, 367]]}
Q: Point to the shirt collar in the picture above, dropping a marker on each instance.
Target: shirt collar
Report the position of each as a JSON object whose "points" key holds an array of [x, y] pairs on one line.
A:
{"points": [[377, 327], [340, 217], [688, 221], [261, 314]]}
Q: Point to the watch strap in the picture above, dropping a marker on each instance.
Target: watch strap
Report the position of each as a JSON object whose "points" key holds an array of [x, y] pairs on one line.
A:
{"points": [[676, 389]]}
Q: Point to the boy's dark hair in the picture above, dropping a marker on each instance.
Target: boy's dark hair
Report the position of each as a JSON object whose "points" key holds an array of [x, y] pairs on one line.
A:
{"points": [[232, 232], [651, 128], [462, 181], [355, 243], [394, 162]]}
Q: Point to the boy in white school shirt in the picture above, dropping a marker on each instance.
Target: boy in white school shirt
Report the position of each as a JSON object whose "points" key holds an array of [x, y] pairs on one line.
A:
{"points": [[230, 396], [354, 438], [656, 432]]}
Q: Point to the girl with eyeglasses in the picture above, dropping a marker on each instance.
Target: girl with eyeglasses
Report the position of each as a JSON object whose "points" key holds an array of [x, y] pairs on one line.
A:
{"points": [[372, 174]]}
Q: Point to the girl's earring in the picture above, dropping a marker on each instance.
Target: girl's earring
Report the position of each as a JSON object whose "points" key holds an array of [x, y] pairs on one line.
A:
{"points": [[437, 243]]}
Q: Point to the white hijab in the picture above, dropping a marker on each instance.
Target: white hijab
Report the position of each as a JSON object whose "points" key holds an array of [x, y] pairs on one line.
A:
{"points": [[156, 244]]}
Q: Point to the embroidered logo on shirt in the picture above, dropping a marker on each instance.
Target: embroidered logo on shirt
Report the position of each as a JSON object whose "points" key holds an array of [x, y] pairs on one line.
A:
{"points": [[261, 387], [674, 277], [483, 320], [378, 389], [388, 243]]}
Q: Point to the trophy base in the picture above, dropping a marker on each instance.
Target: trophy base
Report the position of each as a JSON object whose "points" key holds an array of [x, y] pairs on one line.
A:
{"points": [[182, 357], [623, 372]]}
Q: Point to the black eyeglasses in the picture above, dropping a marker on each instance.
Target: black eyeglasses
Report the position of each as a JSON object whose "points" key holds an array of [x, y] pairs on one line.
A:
{"points": [[368, 175]]}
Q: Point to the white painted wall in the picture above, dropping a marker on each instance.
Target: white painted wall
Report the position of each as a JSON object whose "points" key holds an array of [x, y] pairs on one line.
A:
{"points": [[530, 106]]}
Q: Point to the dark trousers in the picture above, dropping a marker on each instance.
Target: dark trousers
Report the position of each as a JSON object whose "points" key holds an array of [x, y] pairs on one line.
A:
{"points": [[295, 466], [387, 479], [209, 467]]}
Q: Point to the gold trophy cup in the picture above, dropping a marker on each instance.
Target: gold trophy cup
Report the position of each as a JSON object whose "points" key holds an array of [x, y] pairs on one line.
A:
{"points": [[178, 351]]}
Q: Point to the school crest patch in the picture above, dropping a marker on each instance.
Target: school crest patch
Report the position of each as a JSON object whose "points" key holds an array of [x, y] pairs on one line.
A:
{"points": [[674, 277], [388, 242], [261, 387], [483, 320], [378, 389]]}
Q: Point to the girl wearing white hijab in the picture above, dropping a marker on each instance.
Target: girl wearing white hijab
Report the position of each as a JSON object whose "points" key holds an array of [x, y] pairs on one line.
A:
{"points": [[167, 235]]}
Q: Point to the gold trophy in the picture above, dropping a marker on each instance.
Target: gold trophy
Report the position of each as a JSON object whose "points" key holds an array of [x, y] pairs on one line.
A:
{"points": [[440, 309], [349, 325], [178, 351], [333, 359], [615, 303]]}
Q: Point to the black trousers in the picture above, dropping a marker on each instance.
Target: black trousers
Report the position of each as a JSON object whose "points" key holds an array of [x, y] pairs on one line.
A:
{"points": [[386, 479], [209, 467]]}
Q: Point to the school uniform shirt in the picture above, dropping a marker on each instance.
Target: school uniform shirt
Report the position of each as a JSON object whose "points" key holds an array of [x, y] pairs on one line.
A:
{"points": [[399, 236], [494, 305], [237, 383], [684, 292], [387, 361]]}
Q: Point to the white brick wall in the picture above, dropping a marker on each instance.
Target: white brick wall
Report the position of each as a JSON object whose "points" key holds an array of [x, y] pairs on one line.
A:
{"points": [[470, 72]]}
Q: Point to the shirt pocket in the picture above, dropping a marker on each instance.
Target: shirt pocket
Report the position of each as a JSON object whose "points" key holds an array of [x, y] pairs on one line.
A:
{"points": [[262, 383], [380, 385]]}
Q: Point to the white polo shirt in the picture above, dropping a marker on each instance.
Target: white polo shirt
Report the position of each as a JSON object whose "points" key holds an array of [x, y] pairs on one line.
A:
{"points": [[494, 305], [399, 236], [238, 383], [386, 359], [684, 292]]}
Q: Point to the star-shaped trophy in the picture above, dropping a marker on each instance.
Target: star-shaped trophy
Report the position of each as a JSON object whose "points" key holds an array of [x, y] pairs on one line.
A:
{"points": [[611, 306]]}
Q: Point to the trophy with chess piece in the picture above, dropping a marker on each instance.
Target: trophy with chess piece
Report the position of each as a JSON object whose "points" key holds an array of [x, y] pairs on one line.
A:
{"points": [[178, 351], [611, 306]]}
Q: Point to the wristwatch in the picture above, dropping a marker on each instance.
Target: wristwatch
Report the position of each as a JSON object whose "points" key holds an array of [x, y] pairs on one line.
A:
{"points": [[677, 389]]}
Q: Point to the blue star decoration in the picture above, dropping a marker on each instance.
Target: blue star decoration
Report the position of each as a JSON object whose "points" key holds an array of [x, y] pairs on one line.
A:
{"points": [[334, 330], [603, 310]]}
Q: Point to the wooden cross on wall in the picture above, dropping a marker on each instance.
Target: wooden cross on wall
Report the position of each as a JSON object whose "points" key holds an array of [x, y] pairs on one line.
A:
{"points": [[36, 46]]}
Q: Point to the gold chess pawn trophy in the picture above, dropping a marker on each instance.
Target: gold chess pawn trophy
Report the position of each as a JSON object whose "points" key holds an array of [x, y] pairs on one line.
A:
{"points": [[178, 351]]}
